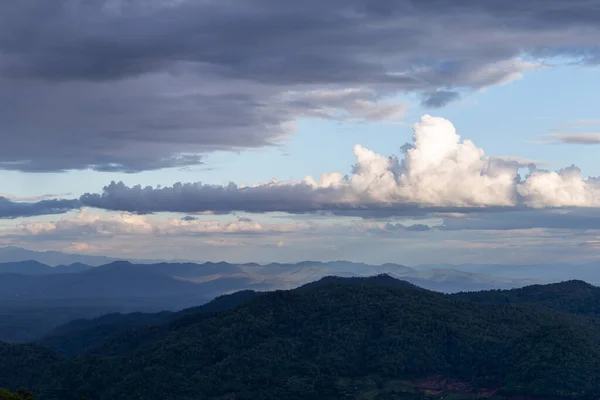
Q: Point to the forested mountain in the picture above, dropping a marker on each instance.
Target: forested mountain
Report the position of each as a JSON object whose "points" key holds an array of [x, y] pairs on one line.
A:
{"points": [[571, 296], [80, 335], [36, 298], [19, 394], [371, 338]]}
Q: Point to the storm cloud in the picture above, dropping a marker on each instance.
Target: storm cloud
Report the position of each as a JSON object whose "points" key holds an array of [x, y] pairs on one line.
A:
{"points": [[115, 85], [14, 209]]}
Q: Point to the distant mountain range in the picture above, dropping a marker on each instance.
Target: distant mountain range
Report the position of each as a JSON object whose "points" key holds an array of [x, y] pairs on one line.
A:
{"points": [[54, 258], [118, 279], [545, 273], [500, 274], [35, 298]]}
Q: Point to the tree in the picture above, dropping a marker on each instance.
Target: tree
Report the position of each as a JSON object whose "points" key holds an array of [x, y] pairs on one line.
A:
{"points": [[24, 394], [18, 395]]}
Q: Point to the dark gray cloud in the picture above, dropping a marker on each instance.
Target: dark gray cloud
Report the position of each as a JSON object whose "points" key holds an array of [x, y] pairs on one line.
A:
{"points": [[439, 98], [198, 197], [293, 198], [117, 85], [12, 209], [567, 219]]}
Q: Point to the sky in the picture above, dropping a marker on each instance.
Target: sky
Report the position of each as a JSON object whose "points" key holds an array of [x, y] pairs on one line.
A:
{"points": [[258, 130]]}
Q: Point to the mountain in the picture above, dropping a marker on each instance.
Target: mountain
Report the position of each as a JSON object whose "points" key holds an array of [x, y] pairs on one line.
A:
{"points": [[543, 273], [573, 296], [25, 267], [54, 258], [16, 359], [24, 320], [81, 335], [374, 338], [115, 280], [289, 276], [36, 268], [32, 305], [33, 296], [452, 280], [232, 277]]}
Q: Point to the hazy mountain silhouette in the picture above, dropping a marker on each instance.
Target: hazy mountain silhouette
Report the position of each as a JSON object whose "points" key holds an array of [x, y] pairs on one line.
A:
{"points": [[543, 273], [36, 268], [54, 258]]}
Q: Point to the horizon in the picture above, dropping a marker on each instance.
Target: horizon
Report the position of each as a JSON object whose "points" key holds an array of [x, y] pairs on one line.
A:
{"points": [[300, 261]]}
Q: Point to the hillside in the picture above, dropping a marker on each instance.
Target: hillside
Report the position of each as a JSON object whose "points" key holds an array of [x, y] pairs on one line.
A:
{"points": [[116, 280], [82, 335], [573, 296], [338, 339], [36, 298], [32, 305]]}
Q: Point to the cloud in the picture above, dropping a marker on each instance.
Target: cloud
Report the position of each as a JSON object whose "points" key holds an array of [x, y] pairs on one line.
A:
{"points": [[16, 209], [519, 161], [439, 173], [576, 124], [81, 247], [577, 138], [151, 84], [563, 188], [88, 224], [360, 104], [574, 136], [418, 228], [222, 243], [439, 98], [391, 227], [571, 219]]}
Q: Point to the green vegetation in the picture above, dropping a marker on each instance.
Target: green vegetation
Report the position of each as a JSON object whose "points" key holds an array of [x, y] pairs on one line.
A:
{"points": [[84, 335], [20, 394], [28, 320], [576, 297], [373, 339]]}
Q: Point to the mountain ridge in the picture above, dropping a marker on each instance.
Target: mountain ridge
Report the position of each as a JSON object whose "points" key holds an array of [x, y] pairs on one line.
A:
{"points": [[342, 337]]}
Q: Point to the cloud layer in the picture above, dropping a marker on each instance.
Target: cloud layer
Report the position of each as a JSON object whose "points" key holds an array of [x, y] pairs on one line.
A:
{"points": [[14, 209], [88, 224], [439, 173], [150, 84]]}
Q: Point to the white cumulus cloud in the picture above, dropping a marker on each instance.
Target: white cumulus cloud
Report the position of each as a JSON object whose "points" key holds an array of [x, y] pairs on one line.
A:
{"points": [[439, 170]]}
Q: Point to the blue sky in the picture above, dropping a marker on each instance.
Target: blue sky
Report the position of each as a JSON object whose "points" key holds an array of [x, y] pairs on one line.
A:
{"points": [[504, 120], [76, 122]]}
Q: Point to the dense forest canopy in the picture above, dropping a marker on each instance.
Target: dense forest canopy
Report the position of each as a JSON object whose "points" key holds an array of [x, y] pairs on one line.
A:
{"points": [[364, 338]]}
